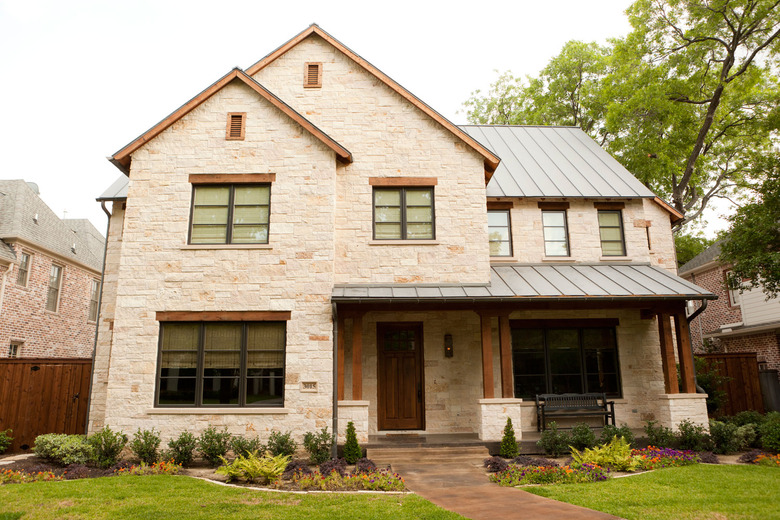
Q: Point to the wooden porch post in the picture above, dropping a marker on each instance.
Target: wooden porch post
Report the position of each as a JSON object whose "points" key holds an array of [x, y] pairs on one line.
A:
{"points": [[340, 328], [505, 337], [684, 352], [357, 357], [487, 356], [667, 353]]}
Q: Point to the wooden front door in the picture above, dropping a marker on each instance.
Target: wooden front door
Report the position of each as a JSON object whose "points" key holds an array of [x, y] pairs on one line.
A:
{"points": [[400, 376]]}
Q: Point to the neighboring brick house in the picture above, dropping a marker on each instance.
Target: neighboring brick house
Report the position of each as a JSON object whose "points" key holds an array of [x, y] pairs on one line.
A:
{"points": [[735, 322], [50, 272], [307, 243]]}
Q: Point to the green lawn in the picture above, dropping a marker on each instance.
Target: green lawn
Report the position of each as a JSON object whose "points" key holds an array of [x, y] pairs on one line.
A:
{"points": [[165, 496], [694, 492]]}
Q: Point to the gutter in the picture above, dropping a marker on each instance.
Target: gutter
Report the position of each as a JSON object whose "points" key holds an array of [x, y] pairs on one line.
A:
{"points": [[334, 450]]}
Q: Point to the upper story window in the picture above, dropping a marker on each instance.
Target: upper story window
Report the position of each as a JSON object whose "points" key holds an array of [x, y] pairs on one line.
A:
{"points": [[734, 299], [556, 233], [53, 294], [24, 270], [611, 233], [403, 213], [499, 232], [94, 293], [230, 214]]}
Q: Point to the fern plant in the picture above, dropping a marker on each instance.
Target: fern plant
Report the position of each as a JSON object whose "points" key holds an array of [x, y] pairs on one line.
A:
{"points": [[616, 455], [253, 467]]}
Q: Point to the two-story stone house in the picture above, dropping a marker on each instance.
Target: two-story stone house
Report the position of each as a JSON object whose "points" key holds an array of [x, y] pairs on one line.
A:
{"points": [[306, 242]]}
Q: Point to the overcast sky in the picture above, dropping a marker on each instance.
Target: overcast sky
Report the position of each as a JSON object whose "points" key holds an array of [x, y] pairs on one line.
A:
{"points": [[81, 79]]}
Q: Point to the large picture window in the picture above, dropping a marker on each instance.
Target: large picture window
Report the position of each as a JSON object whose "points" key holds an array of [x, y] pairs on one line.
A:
{"points": [[560, 359], [221, 364], [403, 213], [230, 214]]}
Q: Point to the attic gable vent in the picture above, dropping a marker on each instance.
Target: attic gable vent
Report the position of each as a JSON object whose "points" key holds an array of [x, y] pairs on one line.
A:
{"points": [[313, 75], [236, 125]]}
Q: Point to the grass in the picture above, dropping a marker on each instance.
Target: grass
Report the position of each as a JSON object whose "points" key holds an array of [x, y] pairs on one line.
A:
{"points": [[166, 496], [696, 492]]}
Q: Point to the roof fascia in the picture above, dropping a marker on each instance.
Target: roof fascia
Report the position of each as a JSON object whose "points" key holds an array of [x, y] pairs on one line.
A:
{"points": [[46, 251], [674, 215], [122, 158], [491, 160]]}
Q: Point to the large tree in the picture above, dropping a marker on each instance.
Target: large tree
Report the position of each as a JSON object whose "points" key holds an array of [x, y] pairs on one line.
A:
{"points": [[686, 101]]}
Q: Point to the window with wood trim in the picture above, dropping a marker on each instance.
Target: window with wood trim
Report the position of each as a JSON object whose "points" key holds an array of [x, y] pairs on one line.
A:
{"points": [[23, 274], [557, 360], [230, 213], [94, 293], [556, 233], [15, 349], [221, 364], [53, 293], [499, 232], [236, 126], [611, 233], [312, 76], [403, 213]]}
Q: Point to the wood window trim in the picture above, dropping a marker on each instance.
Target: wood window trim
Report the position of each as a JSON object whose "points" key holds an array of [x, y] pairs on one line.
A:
{"points": [[553, 205], [565, 324], [499, 205], [403, 207], [223, 316], [230, 226], [309, 80], [232, 178], [609, 205], [231, 134], [402, 182]]}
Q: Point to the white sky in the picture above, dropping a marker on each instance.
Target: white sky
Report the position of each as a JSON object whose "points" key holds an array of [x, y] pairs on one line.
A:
{"points": [[80, 79]]}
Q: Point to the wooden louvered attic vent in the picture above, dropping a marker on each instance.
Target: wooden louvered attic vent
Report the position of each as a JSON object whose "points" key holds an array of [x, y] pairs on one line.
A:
{"points": [[235, 125], [313, 75]]}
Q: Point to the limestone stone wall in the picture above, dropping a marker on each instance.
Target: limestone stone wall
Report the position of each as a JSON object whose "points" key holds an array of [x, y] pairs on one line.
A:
{"points": [[674, 408], [493, 414], [357, 412]]}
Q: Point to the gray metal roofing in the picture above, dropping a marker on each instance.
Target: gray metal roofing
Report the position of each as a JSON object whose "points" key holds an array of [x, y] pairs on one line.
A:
{"points": [[19, 206], [117, 190], [543, 282], [553, 161], [710, 254]]}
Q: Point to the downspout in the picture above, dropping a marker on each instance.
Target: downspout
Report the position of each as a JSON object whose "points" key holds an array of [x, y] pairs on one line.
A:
{"points": [[334, 451], [694, 314], [97, 318]]}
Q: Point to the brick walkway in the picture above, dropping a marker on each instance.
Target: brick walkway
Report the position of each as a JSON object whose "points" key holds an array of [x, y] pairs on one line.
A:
{"points": [[464, 489]]}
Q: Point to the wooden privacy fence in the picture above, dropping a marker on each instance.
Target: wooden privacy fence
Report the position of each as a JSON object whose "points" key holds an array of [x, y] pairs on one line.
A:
{"points": [[40, 396], [743, 388]]}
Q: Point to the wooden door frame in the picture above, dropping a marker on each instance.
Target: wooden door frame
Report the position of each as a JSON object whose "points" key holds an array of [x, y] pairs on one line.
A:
{"points": [[420, 360]]}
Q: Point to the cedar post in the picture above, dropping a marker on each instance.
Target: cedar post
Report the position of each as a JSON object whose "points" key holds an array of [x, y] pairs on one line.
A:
{"points": [[487, 356], [341, 329], [684, 353], [357, 357], [505, 338], [667, 353]]}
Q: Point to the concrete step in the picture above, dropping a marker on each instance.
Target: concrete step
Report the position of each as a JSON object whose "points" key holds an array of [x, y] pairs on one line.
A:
{"points": [[427, 455]]}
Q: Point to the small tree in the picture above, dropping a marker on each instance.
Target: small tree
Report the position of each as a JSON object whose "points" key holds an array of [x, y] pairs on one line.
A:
{"points": [[352, 450], [509, 448]]}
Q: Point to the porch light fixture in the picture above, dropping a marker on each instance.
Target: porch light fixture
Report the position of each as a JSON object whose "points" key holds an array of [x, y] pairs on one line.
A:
{"points": [[448, 345]]}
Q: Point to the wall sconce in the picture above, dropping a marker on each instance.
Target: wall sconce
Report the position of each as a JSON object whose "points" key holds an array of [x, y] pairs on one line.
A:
{"points": [[448, 345]]}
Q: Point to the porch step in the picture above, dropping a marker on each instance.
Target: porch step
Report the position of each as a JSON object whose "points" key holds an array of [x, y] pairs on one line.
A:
{"points": [[427, 455]]}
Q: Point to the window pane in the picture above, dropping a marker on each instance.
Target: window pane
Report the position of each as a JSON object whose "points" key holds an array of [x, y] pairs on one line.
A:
{"points": [[555, 234], [178, 361], [222, 336], [268, 336], [498, 234], [265, 391], [419, 197], [177, 391], [221, 363], [611, 234], [608, 218], [553, 218], [419, 231], [391, 214], [212, 195], [210, 215], [258, 362], [209, 234], [387, 197], [388, 231], [180, 336], [500, 249], [565, 384], [612, 248], [250, 215], [252, 195], [555, 249], [220, 390], [419, 214], [250, 234], [498, 218]]}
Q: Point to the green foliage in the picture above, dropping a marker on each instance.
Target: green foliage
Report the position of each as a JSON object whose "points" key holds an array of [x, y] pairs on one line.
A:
{"points": [[107, 445], [770, 432], [554, 442], [509, 448], [708, 377], [622, 431], [582, 436], [746, 417], [523, 475], [145, 444], [63, 449], [659, 436], [334, 481], [213, 444], [615, 455], [352, 450], [687, 246], [692, 436], [746, 436], [181, 449], [281, 443], [5, 439], [252, 467], [243, 446], [318, 445], [724, 437]]}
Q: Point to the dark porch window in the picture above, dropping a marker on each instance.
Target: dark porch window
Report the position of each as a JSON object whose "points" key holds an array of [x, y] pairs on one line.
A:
{"points": [[557, 360]]}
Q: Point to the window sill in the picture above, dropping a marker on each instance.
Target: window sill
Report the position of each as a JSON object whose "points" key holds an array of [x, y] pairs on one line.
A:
{"points": [[403, 243], [503, 259], [218, 411], [195, 247], [615, 259], [559, 259]]}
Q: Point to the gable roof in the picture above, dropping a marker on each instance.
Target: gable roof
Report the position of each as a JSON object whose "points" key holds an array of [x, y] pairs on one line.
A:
{"points": [[490, 158], [19, 207], [707, 256], [121, 159]]}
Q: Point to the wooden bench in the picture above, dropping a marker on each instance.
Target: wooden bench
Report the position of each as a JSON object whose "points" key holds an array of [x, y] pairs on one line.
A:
{"points": [[550, 406]]}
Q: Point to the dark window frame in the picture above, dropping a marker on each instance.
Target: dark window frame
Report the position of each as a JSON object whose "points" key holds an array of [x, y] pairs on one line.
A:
{"points": [[509, 231], [565, 231], [402, 191], [231, 206], [619, 226], [23, 274], [199, 373], [57, 290]]}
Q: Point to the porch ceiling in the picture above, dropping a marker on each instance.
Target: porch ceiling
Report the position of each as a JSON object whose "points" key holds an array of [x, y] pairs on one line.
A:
{"points": [[539, 282]]}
